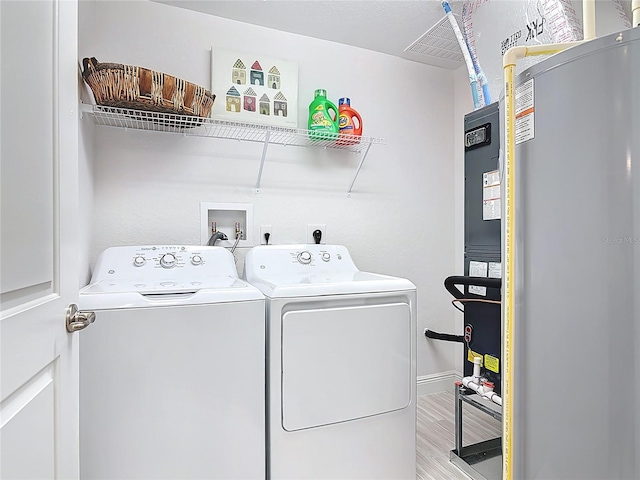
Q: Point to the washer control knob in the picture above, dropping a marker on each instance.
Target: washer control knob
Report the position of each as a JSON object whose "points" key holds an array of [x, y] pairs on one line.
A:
{"points": [[139, 261], [196, 260], [326, 256], [304, 258], [168, 260]]}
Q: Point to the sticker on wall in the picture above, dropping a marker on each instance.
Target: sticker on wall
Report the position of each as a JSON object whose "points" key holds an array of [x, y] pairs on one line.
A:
{"points": [[265, 105], [271, 92], [256, 75], [280, 105], [232, 102], [273, 80], [239, 73], [525, 110], [491, 202], [249, 103]]}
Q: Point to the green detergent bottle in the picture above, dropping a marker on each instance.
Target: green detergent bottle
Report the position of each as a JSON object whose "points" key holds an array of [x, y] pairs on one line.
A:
{"points": [[323, 118]]}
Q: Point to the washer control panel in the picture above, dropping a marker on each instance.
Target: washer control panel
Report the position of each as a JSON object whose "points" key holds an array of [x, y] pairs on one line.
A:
{"points": [[305, 257], [165, 261], [177, 258], [168, 260]]}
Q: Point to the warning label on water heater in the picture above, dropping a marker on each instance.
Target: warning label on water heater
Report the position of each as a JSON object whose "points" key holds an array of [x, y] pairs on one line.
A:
{"points": [[525, 111]]}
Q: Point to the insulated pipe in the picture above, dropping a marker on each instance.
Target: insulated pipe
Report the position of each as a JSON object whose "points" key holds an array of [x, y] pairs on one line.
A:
{"points": [[482, 79], [487, 393], [508, 304], [473, 80], [447, 337], [589, 19], [484, 83], [635, 13]]}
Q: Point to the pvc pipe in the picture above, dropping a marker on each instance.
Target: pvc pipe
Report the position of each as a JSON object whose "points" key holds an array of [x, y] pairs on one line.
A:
{"points": [[477, 361], [488, 393], [516, 53], [508, 305], [484, 392], [635, 13], [589, 19], [473, 80]]}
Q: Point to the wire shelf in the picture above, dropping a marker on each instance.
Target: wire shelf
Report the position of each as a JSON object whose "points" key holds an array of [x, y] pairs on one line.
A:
{"points": [[209, 127]]}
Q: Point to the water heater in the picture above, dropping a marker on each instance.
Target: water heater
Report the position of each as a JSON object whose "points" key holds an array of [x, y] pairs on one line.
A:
{"points": [[577, 264]]}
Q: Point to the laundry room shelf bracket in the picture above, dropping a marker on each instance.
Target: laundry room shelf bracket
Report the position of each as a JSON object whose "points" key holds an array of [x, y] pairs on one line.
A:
{"points": [[190, 126], [364, 155], [262, 159]]}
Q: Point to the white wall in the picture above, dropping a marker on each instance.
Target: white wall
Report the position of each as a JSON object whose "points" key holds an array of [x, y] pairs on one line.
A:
{"points": [[400, 220], [85, 156]]}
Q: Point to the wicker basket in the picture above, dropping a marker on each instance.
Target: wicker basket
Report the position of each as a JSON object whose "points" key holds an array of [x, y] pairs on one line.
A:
{"points": [[126, 86]]}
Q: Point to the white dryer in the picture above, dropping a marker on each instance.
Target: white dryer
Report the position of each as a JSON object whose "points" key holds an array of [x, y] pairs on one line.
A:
{"points": [[172, 372], [341, 364]]}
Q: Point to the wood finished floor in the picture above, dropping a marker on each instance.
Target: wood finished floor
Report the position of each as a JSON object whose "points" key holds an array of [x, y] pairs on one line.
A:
{"points": [[436, 435]]}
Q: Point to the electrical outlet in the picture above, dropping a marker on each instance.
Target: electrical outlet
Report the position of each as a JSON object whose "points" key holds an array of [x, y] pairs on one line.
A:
{"points": [[265, 229], [312, 228]]}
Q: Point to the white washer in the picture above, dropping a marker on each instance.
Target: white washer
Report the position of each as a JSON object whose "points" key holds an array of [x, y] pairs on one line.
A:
{"points": [[341, 365], [172, 372]]}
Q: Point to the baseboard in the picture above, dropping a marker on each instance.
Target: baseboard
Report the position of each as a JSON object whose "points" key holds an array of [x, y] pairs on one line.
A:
{"points": [[437, 382]]}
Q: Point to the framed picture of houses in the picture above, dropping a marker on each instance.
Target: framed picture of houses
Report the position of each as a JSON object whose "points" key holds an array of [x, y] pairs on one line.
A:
{"points": [[254, 88]]}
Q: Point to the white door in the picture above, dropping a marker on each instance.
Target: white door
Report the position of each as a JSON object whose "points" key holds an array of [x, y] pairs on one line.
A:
{"points": [[38, 254]]}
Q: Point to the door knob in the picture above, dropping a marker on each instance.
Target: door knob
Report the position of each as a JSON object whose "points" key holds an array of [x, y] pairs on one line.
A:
{"points": [[76, 320]]}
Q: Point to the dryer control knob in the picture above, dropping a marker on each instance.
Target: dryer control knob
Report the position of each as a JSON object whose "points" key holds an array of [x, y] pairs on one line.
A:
{"points": [[139, 261], [196, 260], [168, 260], [326, 256], [304, 257]]}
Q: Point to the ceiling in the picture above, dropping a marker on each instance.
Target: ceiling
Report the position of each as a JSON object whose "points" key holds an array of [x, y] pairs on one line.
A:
{"points": [[387, 26]]}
